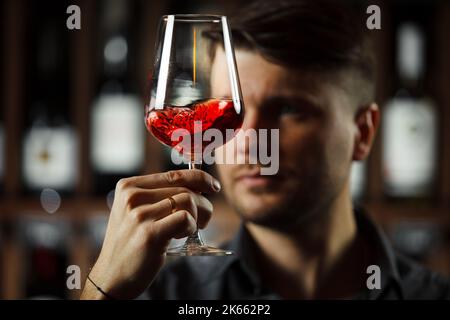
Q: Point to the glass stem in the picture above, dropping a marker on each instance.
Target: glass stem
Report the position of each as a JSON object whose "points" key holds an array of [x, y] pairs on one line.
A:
{"points": [[193, 165], [194, 239]]}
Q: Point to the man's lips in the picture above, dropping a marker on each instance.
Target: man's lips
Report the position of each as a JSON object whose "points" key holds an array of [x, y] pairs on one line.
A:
{"points": [[253, 178]]}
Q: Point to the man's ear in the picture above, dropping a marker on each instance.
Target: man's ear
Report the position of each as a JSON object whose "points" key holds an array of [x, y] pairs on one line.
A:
{"points": [[367, 120]]}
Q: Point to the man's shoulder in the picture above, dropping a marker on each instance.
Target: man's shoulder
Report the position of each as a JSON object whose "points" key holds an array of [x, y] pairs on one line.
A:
{"points": [[419, 282]]}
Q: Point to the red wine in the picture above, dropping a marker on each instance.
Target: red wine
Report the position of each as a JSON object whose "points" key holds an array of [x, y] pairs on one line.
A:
{"points": [[213, 113]]}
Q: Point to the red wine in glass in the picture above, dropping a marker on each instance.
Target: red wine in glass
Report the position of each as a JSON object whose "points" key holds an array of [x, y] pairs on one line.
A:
{"points": [[217, 114]]}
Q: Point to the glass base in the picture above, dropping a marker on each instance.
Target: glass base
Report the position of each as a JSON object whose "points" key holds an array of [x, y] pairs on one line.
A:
{"points": [[197, 250]]}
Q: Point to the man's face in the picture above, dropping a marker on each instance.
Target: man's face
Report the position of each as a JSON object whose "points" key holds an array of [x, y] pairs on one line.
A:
{"points": [[316, 131]]}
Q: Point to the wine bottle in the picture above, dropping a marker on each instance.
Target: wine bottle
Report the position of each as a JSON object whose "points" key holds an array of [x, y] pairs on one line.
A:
{"points": [[50, 144], [117, 130], [2, 93], [45, 247], [410, 123], [2, 156]]}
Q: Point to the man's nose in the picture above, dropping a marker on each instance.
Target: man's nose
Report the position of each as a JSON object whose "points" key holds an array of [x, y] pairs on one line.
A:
{"points": [[254, 123], [257, 119]]}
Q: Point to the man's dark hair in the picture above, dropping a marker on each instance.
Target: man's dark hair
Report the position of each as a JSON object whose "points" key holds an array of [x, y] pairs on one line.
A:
{"points": [[325, 36]]}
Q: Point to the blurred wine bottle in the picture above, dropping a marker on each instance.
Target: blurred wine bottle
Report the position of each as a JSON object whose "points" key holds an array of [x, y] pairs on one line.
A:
{"points": [[410, 122], [117, 125], [2, 155], [49, 143], [2, 258], [45, 247], [2, 94]]}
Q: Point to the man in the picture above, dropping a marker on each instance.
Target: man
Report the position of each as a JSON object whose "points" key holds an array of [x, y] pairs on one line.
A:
{"points": [[306, 68]]}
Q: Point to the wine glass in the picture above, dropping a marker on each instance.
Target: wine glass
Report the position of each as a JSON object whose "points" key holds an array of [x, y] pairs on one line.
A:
{"points": [[185, 102]]}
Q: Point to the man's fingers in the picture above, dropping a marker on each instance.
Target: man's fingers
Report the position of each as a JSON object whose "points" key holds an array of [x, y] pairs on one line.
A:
{"points": [[135, 197], [178, 225], [200, 207], [197, 205], [196, 180]]}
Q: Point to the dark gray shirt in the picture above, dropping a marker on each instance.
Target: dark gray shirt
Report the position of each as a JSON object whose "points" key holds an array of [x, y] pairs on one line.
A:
{"points": [[235, 277]]}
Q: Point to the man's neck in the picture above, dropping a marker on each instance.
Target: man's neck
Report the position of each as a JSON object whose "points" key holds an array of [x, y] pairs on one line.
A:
{"points": [[312, 261]]}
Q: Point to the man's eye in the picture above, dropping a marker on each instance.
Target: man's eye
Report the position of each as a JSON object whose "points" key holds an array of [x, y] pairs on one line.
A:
{"points": [[290, 110]]}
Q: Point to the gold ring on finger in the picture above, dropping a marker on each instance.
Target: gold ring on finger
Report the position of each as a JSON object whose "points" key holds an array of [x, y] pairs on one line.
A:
{"points": [[173, 204]]}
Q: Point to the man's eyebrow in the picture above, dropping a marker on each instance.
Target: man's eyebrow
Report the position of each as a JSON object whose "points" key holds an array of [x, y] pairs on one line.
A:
{"points": [[299, 99]]}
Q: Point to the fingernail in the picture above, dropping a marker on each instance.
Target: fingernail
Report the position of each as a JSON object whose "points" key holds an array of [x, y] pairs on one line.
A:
{"points": [[216, 185]]}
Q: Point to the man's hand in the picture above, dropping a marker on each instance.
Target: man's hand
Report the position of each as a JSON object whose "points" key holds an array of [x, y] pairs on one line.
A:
{"points": [[141, 225]]}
